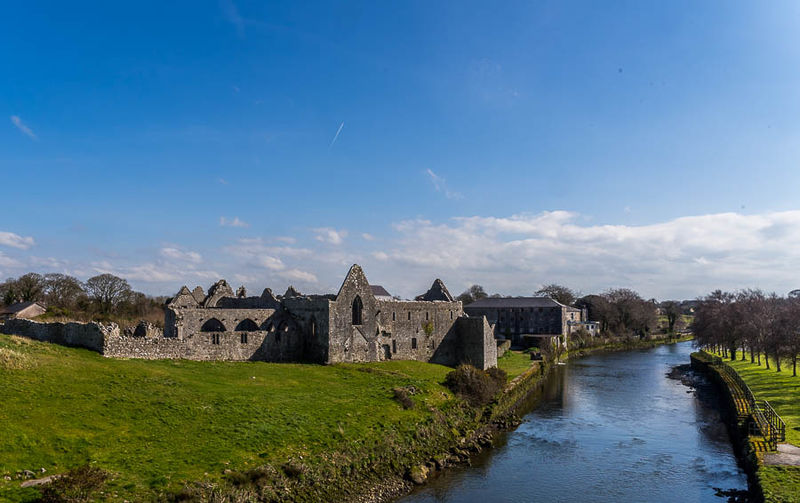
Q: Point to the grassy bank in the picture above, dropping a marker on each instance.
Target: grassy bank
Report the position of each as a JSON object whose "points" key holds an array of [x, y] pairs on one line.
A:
{"points": [[156, 424], [291, 431], [780, 484]]}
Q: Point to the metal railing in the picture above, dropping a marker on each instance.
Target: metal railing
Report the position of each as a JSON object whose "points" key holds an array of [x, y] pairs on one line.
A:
{"points": [[764, 420]]}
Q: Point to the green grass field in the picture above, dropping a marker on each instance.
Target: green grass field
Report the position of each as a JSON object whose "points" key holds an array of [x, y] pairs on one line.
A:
{"points": [[780, 389], [156, 424], [780, 484], [514, 363]]}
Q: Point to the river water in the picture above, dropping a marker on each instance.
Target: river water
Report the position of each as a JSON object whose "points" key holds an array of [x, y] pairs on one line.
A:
{"points": [[612, 427]]}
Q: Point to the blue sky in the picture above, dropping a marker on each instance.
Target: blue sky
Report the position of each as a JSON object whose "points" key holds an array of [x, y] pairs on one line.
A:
{"points": [[651, 145]]}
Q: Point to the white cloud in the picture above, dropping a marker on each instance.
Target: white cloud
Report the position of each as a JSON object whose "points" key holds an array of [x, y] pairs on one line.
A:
{"points": [[51, 263], [330, 235], [683, 257], [286, 239], [272, 263], [298, 275], [182, 255], [225, 222], [15, 240], [153, 272], [440, 184], [367, 236], [22, 127], [11, 263]]}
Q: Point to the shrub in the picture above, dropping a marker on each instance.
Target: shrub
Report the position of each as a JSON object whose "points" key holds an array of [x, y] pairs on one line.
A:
{"points": [[76, 486], [474, 385], [402, 396]]}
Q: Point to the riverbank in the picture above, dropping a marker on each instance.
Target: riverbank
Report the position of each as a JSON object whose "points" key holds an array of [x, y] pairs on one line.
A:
{"points": [[283, 431], [771, 483]]}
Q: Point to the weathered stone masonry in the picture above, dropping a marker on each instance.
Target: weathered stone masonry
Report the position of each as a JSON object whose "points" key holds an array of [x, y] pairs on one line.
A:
{"points": [[351, 326]]}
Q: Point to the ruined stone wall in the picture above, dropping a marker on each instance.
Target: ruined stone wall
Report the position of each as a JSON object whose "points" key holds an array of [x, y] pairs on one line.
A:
{"points": [[430, 326], [84, 335], [312, 316], [349, 342], [228, 334], [477, 344], [231, 347]]}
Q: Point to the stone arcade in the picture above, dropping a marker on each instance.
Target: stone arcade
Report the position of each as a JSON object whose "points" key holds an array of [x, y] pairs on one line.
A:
{"points": [[351, 326]]}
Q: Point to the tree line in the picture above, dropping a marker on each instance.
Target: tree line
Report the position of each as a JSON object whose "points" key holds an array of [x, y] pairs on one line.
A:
{"points": [[102, 297], [750, 322], [620, 311]]}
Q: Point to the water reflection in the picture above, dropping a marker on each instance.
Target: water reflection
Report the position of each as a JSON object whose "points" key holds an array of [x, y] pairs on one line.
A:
{"points": [[610, 428]]}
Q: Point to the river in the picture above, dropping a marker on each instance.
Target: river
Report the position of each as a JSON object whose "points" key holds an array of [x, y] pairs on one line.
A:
{"points": [[613, 427]]}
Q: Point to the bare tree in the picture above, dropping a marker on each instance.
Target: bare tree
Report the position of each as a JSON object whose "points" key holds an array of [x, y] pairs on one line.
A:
{"points": [[61, 290], [471, 294], [558, 293], [108, 291]]}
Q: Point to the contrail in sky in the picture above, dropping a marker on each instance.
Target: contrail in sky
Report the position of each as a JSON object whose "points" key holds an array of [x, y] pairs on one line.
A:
{"points": [[337, 134]]}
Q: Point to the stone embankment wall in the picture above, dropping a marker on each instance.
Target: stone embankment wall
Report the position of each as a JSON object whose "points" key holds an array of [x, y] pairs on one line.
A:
{"points": [[84, 335]]}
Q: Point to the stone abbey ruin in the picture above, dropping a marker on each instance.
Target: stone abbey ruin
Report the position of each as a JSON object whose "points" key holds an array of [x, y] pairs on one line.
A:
{"points": [[361, 323]]}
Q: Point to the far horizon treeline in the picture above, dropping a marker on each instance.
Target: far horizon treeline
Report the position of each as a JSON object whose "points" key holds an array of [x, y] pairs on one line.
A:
{"points": [[104, 297], [621, 312], [750, 321]]}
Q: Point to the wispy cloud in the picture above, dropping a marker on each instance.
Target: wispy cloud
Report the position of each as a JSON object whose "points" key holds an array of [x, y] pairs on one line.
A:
{"points": [[330, 235], [175, 253], [680, 258], [367, 236], [22, 127], [235, 222], [222, 181], [336, 136], [15, 240], [440, 184], [231, 13], [298, 275]]}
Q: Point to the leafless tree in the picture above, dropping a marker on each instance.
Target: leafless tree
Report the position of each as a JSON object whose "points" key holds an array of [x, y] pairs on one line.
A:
{"points": [[61, 290], [108, 291], [471, 294], [558, 293]]}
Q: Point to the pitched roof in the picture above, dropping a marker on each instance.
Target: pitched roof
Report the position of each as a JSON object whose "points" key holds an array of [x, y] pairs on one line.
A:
{"points": [[18, 307], [379, 291], [512, 302]]}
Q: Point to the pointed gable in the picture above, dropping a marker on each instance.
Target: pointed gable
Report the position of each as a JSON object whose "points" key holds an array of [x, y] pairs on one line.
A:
{"points": [[291, 292], [184, 298], [437, 291], [355, 280]]}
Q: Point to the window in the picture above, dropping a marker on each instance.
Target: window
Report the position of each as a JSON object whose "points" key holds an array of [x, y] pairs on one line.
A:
{"points": [[451, 315], [357, 308], [394, 318], [244, 338], [426, 315], [214, 338], [409, 315], [247, 326], [213, 325], [394, 346], [413, 343]]}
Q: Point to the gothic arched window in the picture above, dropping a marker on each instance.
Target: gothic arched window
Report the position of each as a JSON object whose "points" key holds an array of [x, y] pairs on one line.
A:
{"points": [[357, 308]]}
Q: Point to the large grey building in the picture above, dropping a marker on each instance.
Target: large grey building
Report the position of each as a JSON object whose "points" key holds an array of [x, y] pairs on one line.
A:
{"points": [[527, 320]]}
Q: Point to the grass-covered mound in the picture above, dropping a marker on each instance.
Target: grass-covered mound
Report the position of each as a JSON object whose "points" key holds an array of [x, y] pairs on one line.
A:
{"points": [[153, 425], [780, 484]]}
